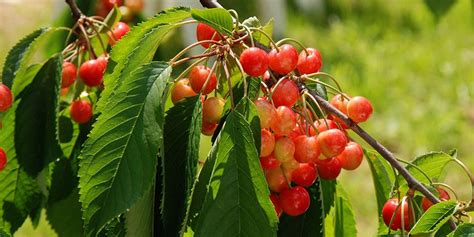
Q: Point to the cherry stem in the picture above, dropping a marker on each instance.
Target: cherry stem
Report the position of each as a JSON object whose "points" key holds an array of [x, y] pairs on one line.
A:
{"points": [[328, 76], [324, 84], [232, 54], [468, 174], [249, 32], [417, 168], [88, 43], [102, 45], [266, 35], [227, 76], [206, 55], [188, 69], [447, 187], [182, 52], [213, 68], [295, 41]]}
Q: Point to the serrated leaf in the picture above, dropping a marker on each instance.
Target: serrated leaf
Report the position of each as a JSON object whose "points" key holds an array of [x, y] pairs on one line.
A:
{"points": [[36, 140], [434, 217], [68, 133], [114, 228], [247, 108], [464, 230], [66, 223], [253, 87], [308, 224], [345, 224], [139, 220], [237, 202], [432, 164], [218, 18], [182, 134], [124, 142], [111, 19], [382, 175]]}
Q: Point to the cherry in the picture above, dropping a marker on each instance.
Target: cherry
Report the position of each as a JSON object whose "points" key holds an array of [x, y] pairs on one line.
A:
{"points": [[332, 142], [92, 71], [307, 149], [212, 109], [284, 149], [296, 132], [69, 74], [3, 159], [285, 61], [340, 102], [205, 32], [118, 32], [286, 93], [276, 203], [109, 4], [208, 129], [198, 77], [324, 125], [266, 113], [311, 63], [276, 180], [268, 143], [443, 196], [285, 121], [254, 61], [6, 98], [269, 162], [181, 90], [288, 167], [135, 6], [329, 169], [359, 109], [81, 111], [351, 157], [389, 209], [294, 201], [304, 175]]}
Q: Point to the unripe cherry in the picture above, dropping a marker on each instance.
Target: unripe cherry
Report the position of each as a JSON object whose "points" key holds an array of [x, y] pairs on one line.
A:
{"points": [[6, 98], [181, 90], [294, 201], [269, 162], [286, 93], [254, 61], [118, 32], [92, 71], [276, 180], [205, 32], [268, 143], [443, 196], [305, 175], [81, 111], [351, 157], [311, 63], [266, 113], [329, 169], [285, 61], [332, 142], [198, 77], [390, 210], [3, 159], [208, 129], [359, 109], [68, 74], [284, 149], [212, 109], [276, 204], [307, 149], [285, 121]]}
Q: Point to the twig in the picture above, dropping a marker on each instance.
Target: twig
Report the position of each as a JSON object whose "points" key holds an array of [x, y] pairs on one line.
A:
{"points": [[76, 12]]}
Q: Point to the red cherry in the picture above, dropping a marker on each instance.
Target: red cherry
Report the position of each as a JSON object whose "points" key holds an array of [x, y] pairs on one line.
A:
{"points": [[266, 113], [208, 129], [269, 162], [285, 61], [6, 98], [276, 203], [359, 109], [294, 201], [81, 111], [285, 121], [324, 125], [109, 4], [181, 90], [443, 196], [304, 175], [286, 93], [340, 102], [69, 74], [3, 159], [351, 157], [205, 32], [311, 63], [389, 209], [276, 180], [118, 32], [212, 109], [332, 142], [268, 143], [295, 133], [92, 71], [198, 77], [284, 149], [329, 169], [307, 149], [254, 61]]}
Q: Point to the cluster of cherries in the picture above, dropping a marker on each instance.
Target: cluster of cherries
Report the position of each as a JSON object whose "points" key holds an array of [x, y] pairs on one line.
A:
{"points": [[91, 72], [127, 8]]}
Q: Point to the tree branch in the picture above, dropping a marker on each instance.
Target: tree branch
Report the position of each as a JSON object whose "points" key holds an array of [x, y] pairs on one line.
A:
{"points": [[76, 12], [210, 4]]}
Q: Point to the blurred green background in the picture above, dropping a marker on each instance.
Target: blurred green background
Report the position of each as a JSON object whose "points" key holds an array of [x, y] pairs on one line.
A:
{"points": [[413, 59]]}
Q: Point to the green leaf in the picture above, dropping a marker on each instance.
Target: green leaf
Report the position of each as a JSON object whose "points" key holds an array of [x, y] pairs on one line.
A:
{"points": [[268, 29], [439, 8], [464, 230], [36, 140], [137, 48], [253, 87], [66, 223], [328, 191], [434, 217], [182, 134], [139, 220], [63, 180], [432, 164], [382, 175], [124, 143], [308, 224], [247, 108], [111, 19], [237, 202], [345, 224], [68, 134], [114, 228], [218, 18]]}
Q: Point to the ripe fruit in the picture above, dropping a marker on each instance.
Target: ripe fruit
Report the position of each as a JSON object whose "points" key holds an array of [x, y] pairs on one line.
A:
{"points": [[351, 157], [332, 142], [135, 6], [181, 89], [285, 121], [208, 129], [286, 93], [118, 32], [212, 109], [294, 201], [304, 175], [285, 61], [389, 209], [269, 162], [340, 102], [254, 61], [443, 196], [329, 168], [266, 113], [3, 159], [268, 143], [311, 63], [276, 180], [359, 109], [69, 74], [276, 203], [198, 77], [109, 4], [307, 149], [81, 111], [324, 125], [205, 32], [284, 149], [92, 71], [6, 98]]}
